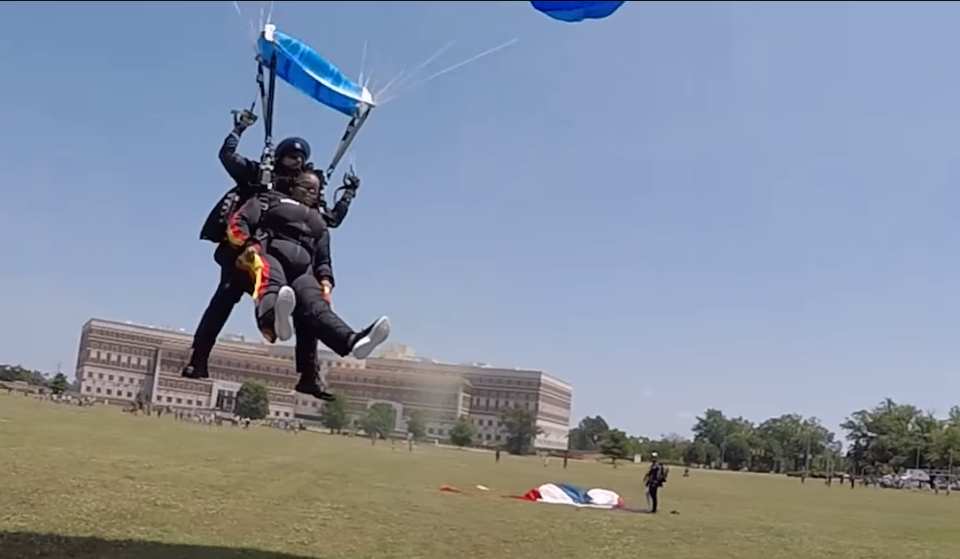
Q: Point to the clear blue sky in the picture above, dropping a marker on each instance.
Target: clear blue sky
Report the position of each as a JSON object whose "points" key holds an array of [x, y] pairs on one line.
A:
{"points": [[751, 206]]}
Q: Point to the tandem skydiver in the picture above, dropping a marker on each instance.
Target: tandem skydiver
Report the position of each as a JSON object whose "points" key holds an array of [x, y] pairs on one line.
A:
{"points": [[284, 241], [292, 155]]}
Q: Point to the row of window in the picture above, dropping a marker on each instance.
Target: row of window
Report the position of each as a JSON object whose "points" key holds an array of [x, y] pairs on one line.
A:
{"points": [[487, 381], [118, 348], [109, 392], [503, 395], [161, 399], [486, 407], [133, 381], [479, 436], [98, 357], [394, 382], [405, 399], [235, 363], [173, 367], [118, 335]]}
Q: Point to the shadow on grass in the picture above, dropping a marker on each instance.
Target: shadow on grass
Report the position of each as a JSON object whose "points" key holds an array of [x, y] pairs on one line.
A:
{"points": [[21, 545]]}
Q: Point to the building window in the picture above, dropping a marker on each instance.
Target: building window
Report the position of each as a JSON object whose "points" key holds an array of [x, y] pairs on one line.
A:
{"points": [[129, 394], [87, 388], [98, 390], [179, 400], [109, 392], [225, 400]]}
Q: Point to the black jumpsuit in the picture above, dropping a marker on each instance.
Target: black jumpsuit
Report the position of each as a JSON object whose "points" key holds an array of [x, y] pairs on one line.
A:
{"points": [[654, 480], [292, 244], [233, 282]]}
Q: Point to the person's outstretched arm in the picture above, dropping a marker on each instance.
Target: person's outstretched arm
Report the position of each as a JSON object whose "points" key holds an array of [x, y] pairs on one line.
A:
{"points": [[244, 171], [340, 209]]}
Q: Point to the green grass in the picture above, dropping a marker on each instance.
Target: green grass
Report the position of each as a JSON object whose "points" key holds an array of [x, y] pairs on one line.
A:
{"points": [[94, 483]]}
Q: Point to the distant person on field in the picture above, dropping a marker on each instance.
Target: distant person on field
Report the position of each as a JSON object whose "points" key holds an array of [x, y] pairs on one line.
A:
{"points": [[654, 479]]}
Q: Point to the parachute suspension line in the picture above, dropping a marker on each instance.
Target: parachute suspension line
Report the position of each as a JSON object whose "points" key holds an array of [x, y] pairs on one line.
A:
{"points": [[267, 95], [353, 128]]}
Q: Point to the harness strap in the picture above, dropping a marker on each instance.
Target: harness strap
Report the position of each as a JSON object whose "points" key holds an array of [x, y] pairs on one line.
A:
{"points": [[267, 94]]}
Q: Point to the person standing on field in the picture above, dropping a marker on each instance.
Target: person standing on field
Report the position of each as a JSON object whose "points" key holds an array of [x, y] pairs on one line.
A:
{"points": [[654, 479]]}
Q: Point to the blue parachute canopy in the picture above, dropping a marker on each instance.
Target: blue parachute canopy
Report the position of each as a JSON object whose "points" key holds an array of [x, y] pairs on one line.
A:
{"points": [[304, 69], [573, 12]]}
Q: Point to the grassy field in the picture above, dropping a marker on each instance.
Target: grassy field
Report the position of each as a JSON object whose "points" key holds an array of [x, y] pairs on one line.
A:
{"points": [[94, 483]]}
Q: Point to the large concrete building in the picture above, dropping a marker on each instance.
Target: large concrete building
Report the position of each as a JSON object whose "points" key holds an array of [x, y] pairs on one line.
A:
{"points": [[119, 361]]}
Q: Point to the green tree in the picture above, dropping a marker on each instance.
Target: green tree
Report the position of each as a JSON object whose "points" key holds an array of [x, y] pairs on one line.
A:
{"points": [[670, 448], [462, 432], [417, 424], [334, 415], [587, 435], [252, 401], [59, 384], [380, 420], [521, 428], [615, 445], [701, 453], [892, 437]]}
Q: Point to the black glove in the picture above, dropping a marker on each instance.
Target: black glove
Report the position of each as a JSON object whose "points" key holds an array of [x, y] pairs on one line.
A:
{"points": [[351, 181], [242, 120]]}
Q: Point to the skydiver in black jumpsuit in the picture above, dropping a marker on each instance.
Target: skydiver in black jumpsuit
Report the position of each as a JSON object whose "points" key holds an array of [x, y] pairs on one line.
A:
{"points": [[292, 155], [284, 242]]}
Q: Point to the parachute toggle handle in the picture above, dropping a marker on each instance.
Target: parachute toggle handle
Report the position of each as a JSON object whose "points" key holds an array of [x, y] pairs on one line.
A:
{"points": [[245, 117]]}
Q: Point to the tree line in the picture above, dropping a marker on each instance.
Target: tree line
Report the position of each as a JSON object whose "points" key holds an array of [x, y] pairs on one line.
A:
{"points": [[887, 438], [379, 420], [57, 383]]}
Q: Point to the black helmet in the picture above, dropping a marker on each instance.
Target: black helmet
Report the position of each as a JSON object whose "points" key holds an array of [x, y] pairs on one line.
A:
{"points": [[290, 145]]}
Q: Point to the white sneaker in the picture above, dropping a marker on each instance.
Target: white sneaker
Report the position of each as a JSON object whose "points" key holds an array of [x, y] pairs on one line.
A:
{"points": [[286, 302], [369, 339]]}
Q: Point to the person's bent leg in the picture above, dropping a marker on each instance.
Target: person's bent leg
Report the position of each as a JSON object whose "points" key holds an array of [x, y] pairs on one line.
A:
{"points": [[268, 280], [329, 328], [305, 357]]}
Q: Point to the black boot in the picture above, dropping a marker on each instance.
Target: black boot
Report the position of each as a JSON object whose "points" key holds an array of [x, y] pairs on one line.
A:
{"points": [[311, 385], [194, 372]]}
